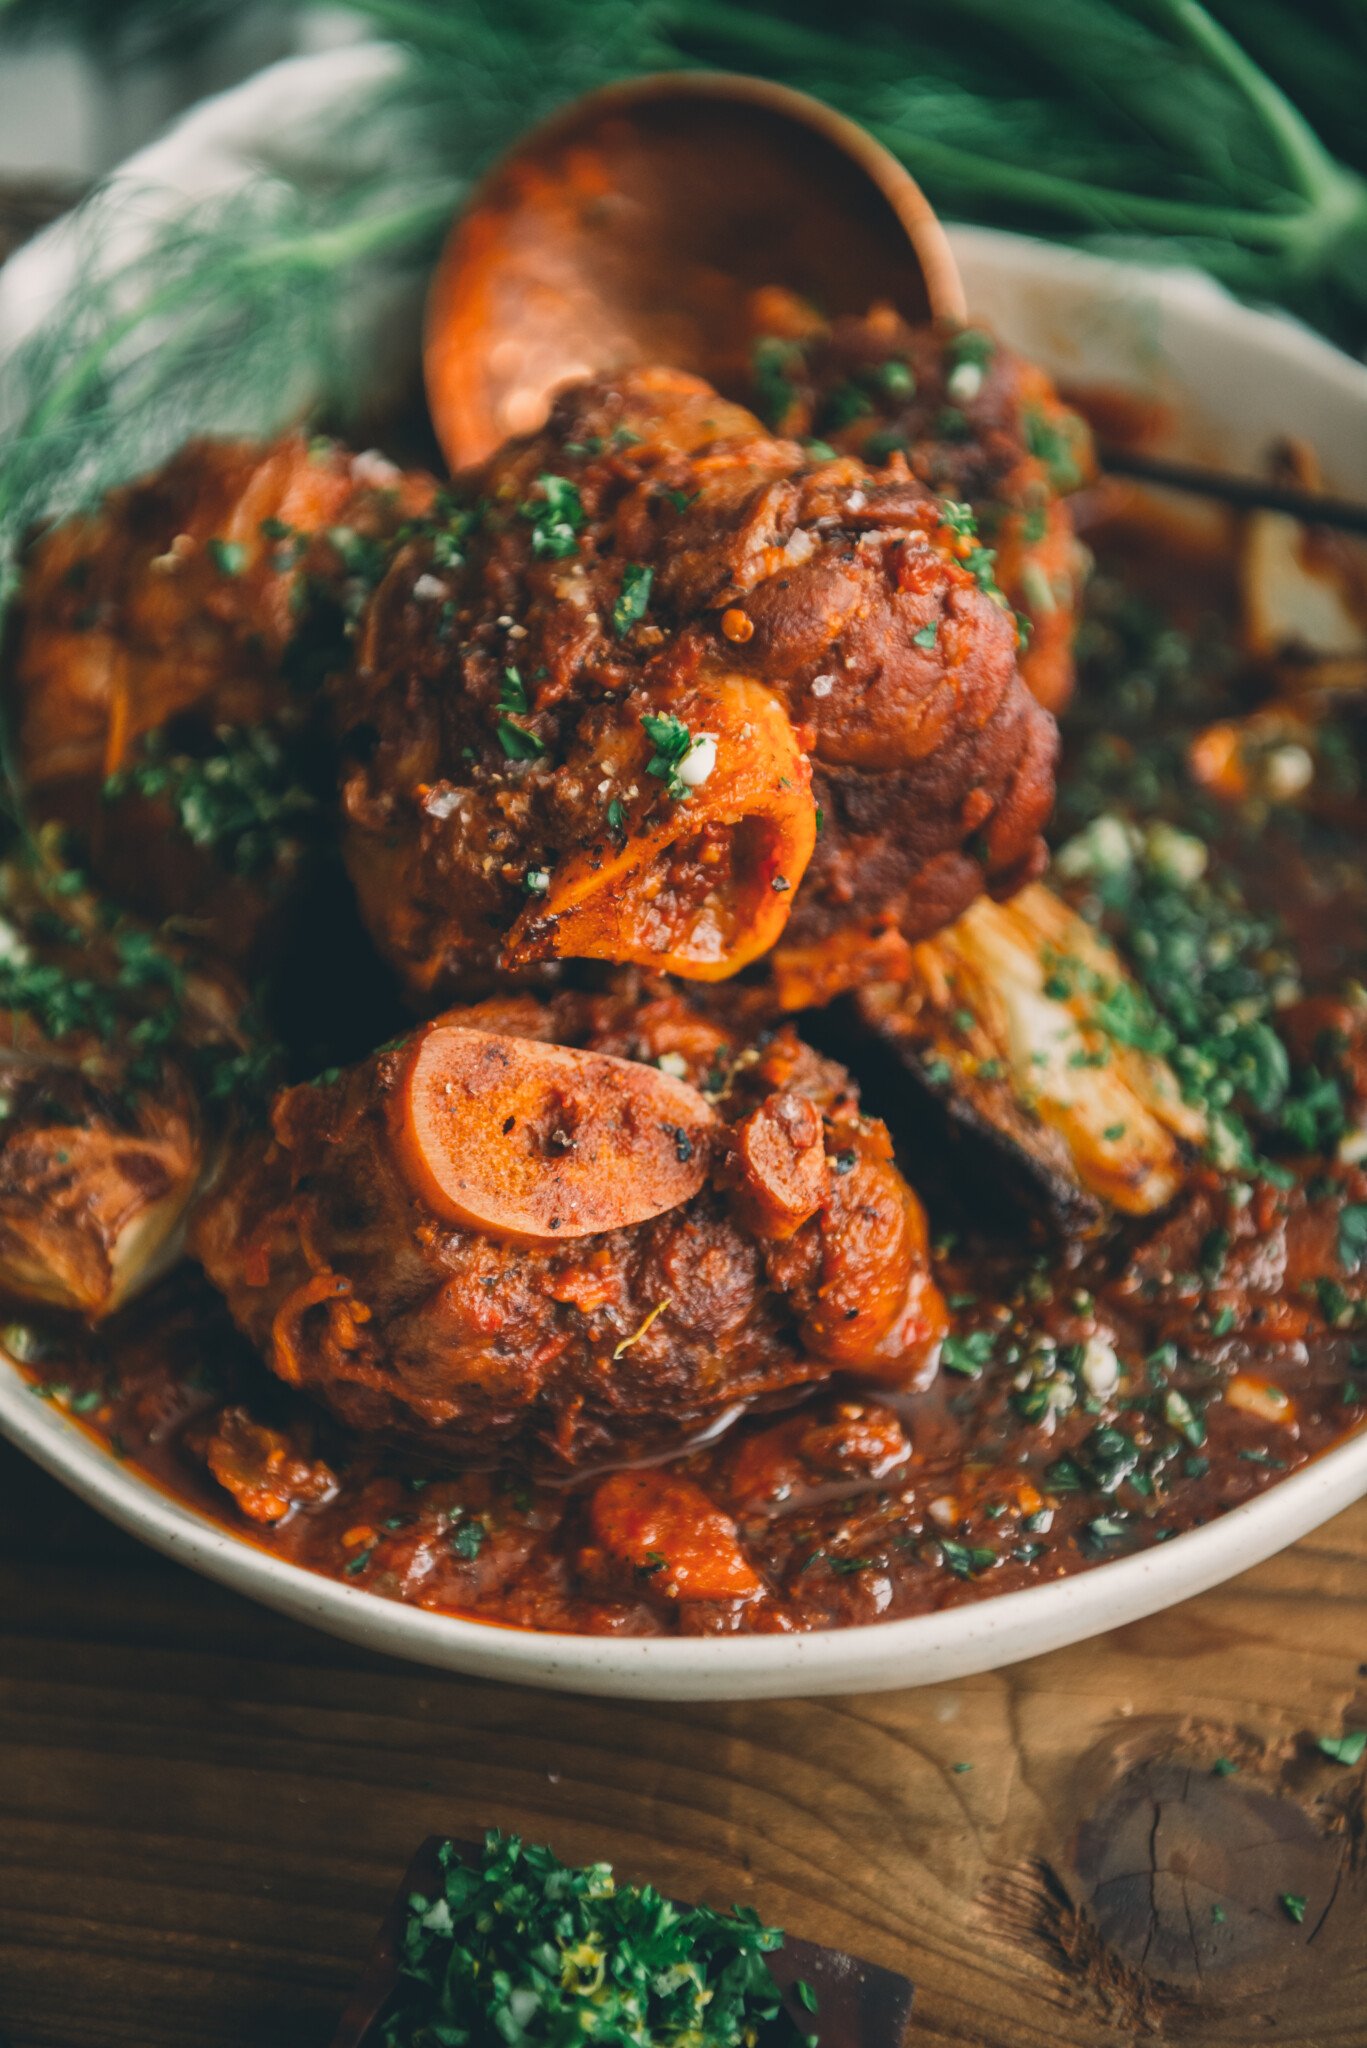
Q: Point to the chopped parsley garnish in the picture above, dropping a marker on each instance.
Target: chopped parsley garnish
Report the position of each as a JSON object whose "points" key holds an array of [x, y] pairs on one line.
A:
{"points": [[517, 743], [1103, 1461], [632, 599], [1294, 1905], [131, 997], [896, 378], [229, 557], [522, 1950], [965, 1560], [467, 1539], [1179, 1414], [1352, 1235], [1207, 972], [967, 1355], [450, 539], [845, 404], [1340, 1749], [557, 517], [1052, 445], [239, 797], [926, 636], [512, 694], [1335, 1305], [774, 363], [672, 741], [970, 345], [978, 560]]}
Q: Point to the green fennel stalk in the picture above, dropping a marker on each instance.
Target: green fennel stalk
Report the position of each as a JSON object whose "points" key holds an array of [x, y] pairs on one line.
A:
{"points": [[1147, 125]]}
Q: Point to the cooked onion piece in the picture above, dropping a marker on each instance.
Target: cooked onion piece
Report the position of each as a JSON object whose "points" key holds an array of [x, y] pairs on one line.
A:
{"points": [[701, 883], [107, 1041], [539, 1142], [1304, 593], [1003, 1014], [93, 1190]]}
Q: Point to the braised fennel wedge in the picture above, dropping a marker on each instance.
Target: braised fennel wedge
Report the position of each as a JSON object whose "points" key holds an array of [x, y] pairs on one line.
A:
{"points": [[1014, 1018]]}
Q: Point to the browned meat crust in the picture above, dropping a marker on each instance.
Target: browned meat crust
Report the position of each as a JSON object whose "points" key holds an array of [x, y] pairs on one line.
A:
{"points": [[973, 419], [589, 1347]]}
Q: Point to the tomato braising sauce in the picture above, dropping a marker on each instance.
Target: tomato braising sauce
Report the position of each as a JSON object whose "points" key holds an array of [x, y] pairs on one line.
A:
{"points": [[1097, 1395]]}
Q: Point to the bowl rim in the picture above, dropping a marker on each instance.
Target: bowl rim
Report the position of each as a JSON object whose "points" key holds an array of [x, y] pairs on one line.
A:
{"points": [[957, 1642], [950, 1643]]}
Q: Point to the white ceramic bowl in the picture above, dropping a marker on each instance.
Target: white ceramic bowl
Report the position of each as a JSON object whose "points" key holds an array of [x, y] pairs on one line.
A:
{"points": [[1233, 379]]}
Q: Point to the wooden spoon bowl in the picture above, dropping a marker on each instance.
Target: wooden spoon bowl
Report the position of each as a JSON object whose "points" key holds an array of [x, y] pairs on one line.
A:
{"points": [[636, 224]]}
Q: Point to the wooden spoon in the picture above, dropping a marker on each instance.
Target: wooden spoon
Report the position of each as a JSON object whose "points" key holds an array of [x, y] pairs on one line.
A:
{"points": [[635, 225]]}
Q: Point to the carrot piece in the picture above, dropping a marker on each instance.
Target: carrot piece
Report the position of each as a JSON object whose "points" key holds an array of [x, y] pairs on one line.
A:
{"points": [[264, 1471], [536, 1142], [668, 1531], [701, 883], [809, 977]]}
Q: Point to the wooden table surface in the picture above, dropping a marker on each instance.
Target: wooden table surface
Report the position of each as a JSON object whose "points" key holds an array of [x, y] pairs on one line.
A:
{"points": [[204, 1809]]}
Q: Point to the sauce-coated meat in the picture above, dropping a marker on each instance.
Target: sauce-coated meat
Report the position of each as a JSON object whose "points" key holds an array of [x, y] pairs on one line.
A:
{"points": [[774, 1273], [973, 419], [663, 690], [165, 663]]}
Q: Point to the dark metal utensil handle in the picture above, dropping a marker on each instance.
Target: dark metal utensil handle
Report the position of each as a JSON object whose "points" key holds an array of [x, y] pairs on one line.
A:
{"points": [[1254, 494]]}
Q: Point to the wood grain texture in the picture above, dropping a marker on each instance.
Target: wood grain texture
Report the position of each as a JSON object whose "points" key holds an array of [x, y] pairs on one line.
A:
{"points": [[204, 1809]]}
